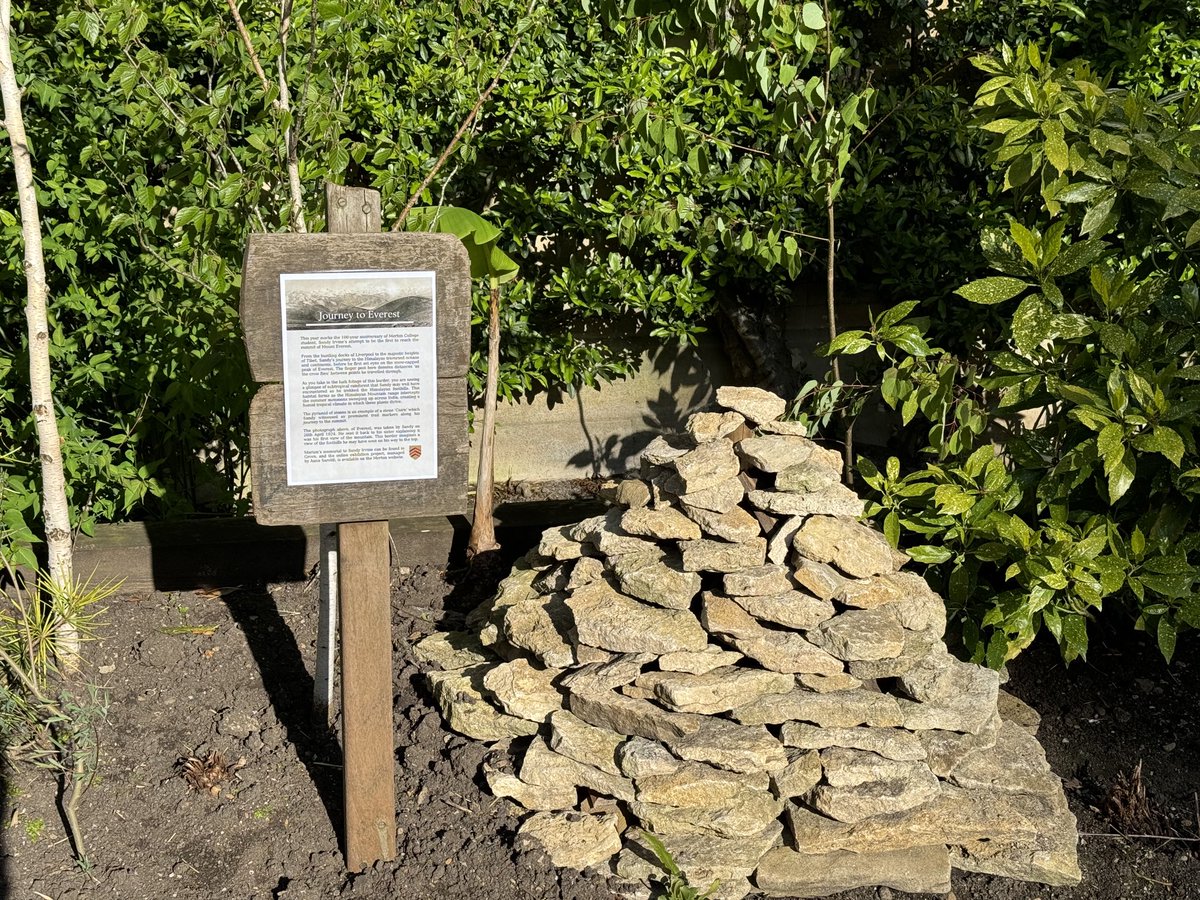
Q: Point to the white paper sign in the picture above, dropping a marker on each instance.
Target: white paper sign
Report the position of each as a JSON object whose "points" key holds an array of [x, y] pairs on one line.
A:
{"points": [[359, 376]]}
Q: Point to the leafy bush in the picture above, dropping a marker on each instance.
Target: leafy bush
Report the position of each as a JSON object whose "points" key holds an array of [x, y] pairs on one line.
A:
{"points": [[652, 188], [1065, 467], [641, 184]]}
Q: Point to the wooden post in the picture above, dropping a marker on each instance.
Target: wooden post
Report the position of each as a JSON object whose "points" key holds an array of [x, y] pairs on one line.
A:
{"points": [[364, 600], [368, 776]]}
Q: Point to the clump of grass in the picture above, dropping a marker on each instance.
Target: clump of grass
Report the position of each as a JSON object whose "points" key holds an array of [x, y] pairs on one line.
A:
{"points": [[33, 622], [45, 719], [676, 887], [1128, 806]]}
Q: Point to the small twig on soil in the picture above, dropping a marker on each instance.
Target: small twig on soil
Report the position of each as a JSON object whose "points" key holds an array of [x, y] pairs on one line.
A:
{"points": [[456, 806], [1148, 837], [317, 762], [422, 616], [1152, 880]]}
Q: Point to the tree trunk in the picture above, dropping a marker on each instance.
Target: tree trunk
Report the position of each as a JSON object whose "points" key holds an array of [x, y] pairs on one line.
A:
{"points": [[55, 510], [483, 528], [755, 339], [831, 310]]}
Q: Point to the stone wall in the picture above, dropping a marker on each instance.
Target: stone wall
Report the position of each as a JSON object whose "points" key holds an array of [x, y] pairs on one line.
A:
{"points": [[730, 660]]}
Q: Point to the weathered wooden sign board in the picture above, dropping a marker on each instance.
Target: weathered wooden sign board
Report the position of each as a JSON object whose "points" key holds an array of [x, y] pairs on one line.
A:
{"points": [[342, 370], [361, 342]]}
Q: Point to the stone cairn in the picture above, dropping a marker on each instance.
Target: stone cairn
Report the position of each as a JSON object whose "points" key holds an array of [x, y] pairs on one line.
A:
{"points": [[730, 660]]}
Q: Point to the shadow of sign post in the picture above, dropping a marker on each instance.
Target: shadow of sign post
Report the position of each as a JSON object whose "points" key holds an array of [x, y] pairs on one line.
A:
{"points": [[360, 342]]}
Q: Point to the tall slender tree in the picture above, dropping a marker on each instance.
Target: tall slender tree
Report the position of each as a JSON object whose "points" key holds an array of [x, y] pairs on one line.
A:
{"points": [[55, 509]]}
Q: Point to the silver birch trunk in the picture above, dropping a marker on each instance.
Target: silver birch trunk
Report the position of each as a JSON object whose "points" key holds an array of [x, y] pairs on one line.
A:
{"points": [[55, 511]]}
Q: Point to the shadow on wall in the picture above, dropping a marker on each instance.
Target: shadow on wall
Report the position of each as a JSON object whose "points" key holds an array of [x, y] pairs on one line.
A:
{"points": [[689, 386], [602, 431]]}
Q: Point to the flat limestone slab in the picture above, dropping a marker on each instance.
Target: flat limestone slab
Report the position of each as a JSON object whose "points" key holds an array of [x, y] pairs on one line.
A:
{"points": [[660, 524], [703, 858], [574, 840], [523, 690], [542, 766], [575, 738], [717, 691], [835, 500], [779, 651], [734, 526], [853, 548], [449, 650], [792, 609], [893, 743], [697, 662], [776, 452], [841, 709], [861, 634], [460, 696], [722, 497], [751, 813], [541, 626], [786, 873], [727, 745], [604, 708], [755, 404], [607, 619], [656, 577], [718, 556], [531, 796], [955, 816], [705, 467]]}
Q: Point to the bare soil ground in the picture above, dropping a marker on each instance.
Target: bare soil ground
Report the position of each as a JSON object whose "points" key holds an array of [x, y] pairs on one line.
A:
{"points": [[187, 674]]}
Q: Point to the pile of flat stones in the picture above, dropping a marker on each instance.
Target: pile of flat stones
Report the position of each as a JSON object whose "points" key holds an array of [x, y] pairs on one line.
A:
{"points": [[729, 660]]}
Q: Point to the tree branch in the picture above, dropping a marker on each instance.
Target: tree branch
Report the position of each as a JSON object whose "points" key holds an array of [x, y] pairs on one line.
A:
{"points": [[462, 129], [289, 134], [241, 27], [56, 512]]}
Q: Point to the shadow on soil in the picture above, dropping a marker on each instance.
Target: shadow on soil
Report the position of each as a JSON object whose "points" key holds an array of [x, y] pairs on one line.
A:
{"points": [[290, 688]]}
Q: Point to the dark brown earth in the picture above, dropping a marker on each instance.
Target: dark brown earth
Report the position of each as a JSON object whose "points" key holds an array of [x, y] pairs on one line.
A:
{"points": [[193, 673]]}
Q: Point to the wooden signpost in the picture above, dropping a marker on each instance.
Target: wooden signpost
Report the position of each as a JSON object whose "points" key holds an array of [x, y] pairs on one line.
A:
{"points": [[361, 342]]}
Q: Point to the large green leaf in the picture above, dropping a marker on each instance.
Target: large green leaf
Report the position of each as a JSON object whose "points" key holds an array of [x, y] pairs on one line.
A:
{"points": [[813, 16], [1110, 445], [1166, 637], [995, 289], [1056, 146], [927, 553], [1162, 440], [1031, 323], [1074, 637], [478, 235], [1121, 475], [1075, 256]]}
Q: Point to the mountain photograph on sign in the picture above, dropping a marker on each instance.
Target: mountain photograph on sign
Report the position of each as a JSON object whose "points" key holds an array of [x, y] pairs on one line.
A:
{"points": [[353, 299]]}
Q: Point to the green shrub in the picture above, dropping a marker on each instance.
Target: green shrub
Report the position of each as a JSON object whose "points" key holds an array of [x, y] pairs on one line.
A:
{"points": [[1064, 466]]}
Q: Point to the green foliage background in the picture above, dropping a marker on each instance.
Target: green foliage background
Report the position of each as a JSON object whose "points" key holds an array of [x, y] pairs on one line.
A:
{"points": [[655, 169], [1060, 460]]}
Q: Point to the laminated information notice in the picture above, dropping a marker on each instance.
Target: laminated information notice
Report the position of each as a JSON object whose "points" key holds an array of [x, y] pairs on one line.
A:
{"points": [[359, 376]]}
